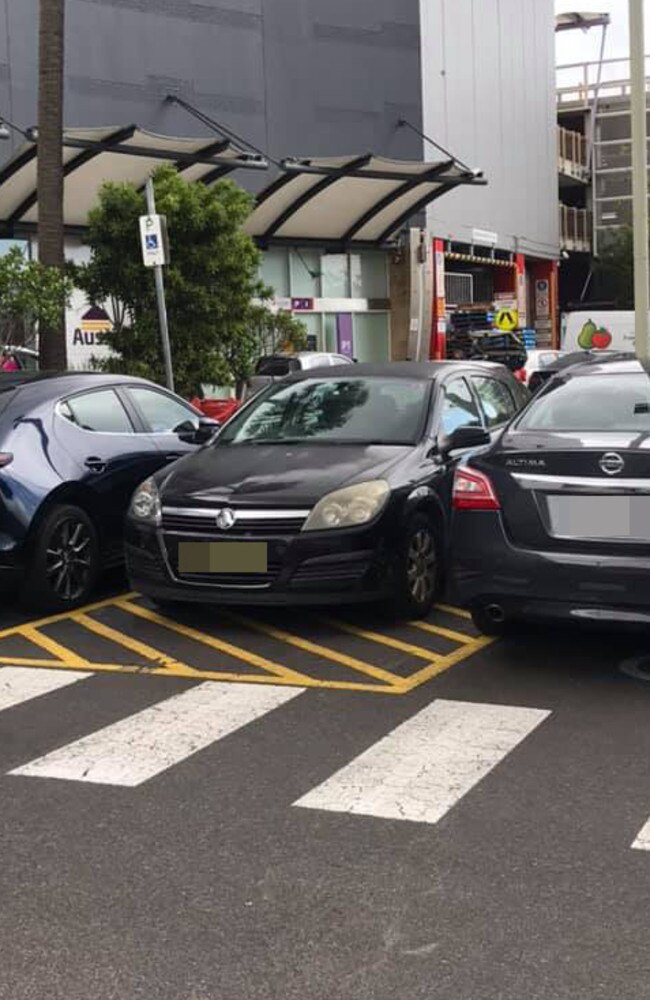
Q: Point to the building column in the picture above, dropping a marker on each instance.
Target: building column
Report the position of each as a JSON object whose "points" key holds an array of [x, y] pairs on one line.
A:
{"points": [[546, 302], [438, 348]]}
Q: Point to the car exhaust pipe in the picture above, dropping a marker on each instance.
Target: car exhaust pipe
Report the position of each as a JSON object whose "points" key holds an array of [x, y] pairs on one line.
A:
{"points": [[495, 613]]}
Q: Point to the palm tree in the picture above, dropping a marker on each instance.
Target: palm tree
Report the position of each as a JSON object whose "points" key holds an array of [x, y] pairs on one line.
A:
{"points": [[50, 165]]}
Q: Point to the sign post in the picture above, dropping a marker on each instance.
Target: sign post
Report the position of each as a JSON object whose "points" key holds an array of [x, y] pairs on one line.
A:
{"points": [[155, 253], [639, 181]]}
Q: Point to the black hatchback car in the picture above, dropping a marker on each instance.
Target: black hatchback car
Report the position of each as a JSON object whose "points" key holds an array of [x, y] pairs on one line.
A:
{"points": [[553, 521], [73, 447], [331, 486]]}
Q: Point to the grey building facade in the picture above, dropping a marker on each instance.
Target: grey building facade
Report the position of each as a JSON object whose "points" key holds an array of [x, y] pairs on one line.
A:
{"points": [[326, 77]]}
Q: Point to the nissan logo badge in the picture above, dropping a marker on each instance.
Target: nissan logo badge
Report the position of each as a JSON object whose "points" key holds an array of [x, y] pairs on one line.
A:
{"points": [[225, 518], [611, 463]]}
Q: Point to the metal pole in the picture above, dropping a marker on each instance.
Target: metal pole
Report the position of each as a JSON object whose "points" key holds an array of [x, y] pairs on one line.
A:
{"points": [[591, 160], [639, 180], [160, 298]]}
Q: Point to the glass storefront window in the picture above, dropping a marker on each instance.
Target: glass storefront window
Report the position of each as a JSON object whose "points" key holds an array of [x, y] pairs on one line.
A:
{"points": [[305, 268], [369, 275], [334, 280], [274, 271], [371, 337]]}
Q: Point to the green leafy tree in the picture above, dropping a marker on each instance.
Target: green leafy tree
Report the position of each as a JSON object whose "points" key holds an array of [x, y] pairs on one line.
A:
{"points": [[211, 282], [614, 269], [31, 295]]}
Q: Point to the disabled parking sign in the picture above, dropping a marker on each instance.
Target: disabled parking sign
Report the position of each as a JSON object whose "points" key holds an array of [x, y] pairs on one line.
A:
{"points": [[153, 239]]}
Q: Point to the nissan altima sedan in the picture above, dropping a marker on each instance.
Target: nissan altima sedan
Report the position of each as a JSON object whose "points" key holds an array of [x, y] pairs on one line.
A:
{"points": [[553, 521], [330, 487]]}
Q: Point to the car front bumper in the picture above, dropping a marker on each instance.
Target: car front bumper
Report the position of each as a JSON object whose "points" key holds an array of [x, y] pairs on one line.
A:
{"points": [[328, 567], [487, 569]]}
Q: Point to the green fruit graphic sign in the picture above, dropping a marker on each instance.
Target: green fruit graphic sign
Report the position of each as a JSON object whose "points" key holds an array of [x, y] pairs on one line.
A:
{"points": [[592, 337]]}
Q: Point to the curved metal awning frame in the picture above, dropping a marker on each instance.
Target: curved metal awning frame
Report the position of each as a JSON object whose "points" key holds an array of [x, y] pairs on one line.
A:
{"points": [[91, 156], [333, 202], [374, 197]]}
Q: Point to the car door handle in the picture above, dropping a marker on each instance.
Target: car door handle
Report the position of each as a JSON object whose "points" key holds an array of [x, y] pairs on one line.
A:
{"points": [[95, 464], [173, 455]]}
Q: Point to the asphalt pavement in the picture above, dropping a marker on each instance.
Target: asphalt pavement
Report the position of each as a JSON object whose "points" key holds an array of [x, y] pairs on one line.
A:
{"points": [[278, 806]]}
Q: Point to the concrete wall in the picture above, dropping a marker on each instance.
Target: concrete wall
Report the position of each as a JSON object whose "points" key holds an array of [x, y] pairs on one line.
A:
{"points": [[296, 77], [489, 96]]}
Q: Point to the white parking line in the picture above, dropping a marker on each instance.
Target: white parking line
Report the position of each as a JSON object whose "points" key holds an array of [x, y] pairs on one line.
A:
{"points": [[642, 842], [422, 768], [19, 684], [135, 749]]}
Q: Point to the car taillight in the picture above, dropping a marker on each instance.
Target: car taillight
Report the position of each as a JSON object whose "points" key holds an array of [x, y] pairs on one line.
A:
{"points": [[473, 491], [5, 458], [520, 374]]}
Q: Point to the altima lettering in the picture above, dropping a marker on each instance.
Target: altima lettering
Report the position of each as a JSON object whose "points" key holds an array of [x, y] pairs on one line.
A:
{"points": [[527, 463]]}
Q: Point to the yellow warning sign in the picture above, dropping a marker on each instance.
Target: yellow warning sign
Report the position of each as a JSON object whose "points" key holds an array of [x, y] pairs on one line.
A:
{"points": [[506, 320]]}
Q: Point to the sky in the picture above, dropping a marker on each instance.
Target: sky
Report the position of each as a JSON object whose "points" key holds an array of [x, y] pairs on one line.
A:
{"points": [[578, 46]]}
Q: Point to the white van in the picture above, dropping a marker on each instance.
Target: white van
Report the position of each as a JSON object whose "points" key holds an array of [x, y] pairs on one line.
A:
{"points": [[599, 331]]}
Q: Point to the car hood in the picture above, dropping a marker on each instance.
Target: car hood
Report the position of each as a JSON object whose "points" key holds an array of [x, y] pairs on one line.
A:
{"points": [[284, 475]]}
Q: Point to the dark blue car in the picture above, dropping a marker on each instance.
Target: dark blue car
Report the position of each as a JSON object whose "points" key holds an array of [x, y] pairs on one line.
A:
{"points": [[73, 447]]}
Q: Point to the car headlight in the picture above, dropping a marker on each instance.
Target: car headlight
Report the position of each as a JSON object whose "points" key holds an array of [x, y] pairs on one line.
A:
{"points": [[145, 503], [348, 507]]}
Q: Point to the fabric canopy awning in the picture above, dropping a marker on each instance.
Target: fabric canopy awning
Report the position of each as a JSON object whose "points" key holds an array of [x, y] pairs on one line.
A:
{"points": [[348, 201], [334, 201], [93, 156]]}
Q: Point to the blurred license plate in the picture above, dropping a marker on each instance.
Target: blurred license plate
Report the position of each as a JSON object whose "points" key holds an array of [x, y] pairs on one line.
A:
{"points": [[616, 518], [222, 557]]}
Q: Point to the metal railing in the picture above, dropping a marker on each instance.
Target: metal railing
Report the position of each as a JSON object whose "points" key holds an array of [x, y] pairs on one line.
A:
{"points": [[572, 153], [575, 229], [577, 83]]}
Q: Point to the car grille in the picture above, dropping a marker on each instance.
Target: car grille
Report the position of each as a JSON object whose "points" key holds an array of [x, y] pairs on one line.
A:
{"points": [[329, 573], [239, 581], [255, 523]]}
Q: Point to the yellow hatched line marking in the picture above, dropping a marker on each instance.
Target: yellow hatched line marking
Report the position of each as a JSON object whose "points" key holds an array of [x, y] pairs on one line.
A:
{"points": [[446, 633], [52, 646], [208, 640], [25, 661], [134, 645], [458, 612], [462, 653], [62, 616], [313, 647], [210, 675], [384, 640]]}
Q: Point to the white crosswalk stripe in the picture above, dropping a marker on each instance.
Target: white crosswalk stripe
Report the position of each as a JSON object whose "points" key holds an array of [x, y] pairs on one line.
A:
{"points": [[425, 765], [19, 684], [642, 840], [139, 747]]}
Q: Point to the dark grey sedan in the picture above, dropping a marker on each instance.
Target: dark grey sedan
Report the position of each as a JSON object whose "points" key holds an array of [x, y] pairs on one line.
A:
{"points": [[553, 521]]}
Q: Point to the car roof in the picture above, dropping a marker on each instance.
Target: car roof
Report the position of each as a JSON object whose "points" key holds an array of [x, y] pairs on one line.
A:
{"points": [[618, 363], [422, 370], [46, 385]]}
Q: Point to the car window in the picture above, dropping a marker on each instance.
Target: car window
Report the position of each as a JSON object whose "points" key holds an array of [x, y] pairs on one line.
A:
{"points": [[99, 411], [162, 413], [616, 403], [496, 400], [458, 407], [276, 367], [360, 410]]}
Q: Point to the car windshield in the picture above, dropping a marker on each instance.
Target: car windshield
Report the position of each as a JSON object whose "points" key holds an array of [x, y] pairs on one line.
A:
{"points": [[343, 410], [592, 403]]}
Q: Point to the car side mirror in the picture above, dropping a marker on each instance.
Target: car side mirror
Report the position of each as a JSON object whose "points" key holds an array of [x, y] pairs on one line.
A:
{"points": [[462, 439], [190, 433]]}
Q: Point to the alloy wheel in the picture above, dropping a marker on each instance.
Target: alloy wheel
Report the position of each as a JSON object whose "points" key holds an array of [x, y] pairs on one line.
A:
{"points": [[421, 566], [68, 561]]}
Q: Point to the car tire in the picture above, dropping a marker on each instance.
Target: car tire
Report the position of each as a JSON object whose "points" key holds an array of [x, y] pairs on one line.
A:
{"points": [[486, 624], [64, 563], [419, 570]]}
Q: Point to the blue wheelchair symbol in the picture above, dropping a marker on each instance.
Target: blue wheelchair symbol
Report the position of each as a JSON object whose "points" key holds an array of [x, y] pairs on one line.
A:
{"points": [[151, 242]]}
